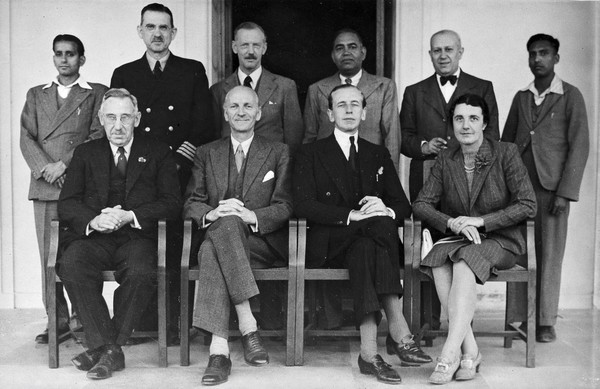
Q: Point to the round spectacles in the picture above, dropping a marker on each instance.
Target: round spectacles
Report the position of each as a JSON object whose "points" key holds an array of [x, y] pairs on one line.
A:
{"points": [[124, 119]]}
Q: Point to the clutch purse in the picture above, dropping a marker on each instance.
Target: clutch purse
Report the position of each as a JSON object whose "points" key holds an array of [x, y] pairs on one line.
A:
{"points": [[426, 243]]}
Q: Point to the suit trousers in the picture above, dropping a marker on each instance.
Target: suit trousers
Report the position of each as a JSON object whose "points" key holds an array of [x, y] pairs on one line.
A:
{"points": [[370, 250], [80, 268], [44, 212], [226, 258]]}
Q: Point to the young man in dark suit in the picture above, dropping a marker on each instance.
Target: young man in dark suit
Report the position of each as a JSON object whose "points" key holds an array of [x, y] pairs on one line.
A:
{"points": [[57, 117], [116, 191], [240, 196], [348, 190]]}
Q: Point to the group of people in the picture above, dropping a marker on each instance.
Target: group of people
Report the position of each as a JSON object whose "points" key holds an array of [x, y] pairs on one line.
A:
{"points": [[239, 159]]}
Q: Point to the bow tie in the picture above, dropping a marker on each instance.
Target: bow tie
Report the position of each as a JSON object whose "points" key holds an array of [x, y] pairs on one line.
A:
{"points": [[445, 79]]}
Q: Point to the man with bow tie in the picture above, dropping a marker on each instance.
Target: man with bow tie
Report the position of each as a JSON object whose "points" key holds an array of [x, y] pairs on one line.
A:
{"points": [[425, 122], [117, 189], [240, 198]]}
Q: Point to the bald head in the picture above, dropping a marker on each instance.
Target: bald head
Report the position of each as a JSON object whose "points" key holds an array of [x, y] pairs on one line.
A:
{"points": [[446, 52], [241, 111]]}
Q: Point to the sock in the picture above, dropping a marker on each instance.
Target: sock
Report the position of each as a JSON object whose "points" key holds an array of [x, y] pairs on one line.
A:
{"points": [[218, 346], [245, 318], [368, 338], [398, 327]]}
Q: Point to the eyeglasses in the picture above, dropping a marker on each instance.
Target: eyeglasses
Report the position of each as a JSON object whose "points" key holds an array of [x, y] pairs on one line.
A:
{"points": [[124, 119]]}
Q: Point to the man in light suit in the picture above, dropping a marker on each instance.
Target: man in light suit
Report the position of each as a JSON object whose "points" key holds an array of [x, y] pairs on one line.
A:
{"points": [[57, 117], [425, 121], [381, 123], [173, 95], [548, 122], [116, 191], [240, 196], [281, 120]]}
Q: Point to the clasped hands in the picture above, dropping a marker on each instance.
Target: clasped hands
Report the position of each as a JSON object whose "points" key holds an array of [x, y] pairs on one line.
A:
{"points": [[371, 206], [54, 173], [111, 219], [231, 207], [467, 226]]}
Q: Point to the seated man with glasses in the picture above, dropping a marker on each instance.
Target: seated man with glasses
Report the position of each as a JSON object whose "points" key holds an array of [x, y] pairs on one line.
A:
{"points": [[116, 190]]}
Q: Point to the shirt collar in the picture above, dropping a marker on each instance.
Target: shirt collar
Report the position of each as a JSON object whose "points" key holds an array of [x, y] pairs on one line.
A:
{"points": [[163, 60], [127, 147], [343, 139], [355, 79], [80, 81], [255, 75], [245, 144], [457, 74], [556, 86]]}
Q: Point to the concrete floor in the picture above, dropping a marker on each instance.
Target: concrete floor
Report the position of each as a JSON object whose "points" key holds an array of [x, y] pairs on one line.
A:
{"points": [[572, 362]]}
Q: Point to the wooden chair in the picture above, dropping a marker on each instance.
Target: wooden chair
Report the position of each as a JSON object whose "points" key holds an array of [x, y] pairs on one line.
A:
{"points": [[305, 275], [517, 273], [109, 275], [272, 274]]}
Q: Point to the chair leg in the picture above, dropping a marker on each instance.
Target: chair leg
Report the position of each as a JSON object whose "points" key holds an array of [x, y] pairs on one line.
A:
{"points": [[163, 298], [290, 348], [507, 327], [531, 318], [427, 311], [299, 322], [184, 347], [53, 358]]}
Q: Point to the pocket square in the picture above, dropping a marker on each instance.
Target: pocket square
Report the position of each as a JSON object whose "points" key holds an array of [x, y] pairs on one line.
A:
{"points": [[271, 102], [269, 176]]}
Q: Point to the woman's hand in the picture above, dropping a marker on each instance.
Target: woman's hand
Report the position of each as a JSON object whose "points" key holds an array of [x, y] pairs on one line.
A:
{"points": [[467, 226], [472, 234]]}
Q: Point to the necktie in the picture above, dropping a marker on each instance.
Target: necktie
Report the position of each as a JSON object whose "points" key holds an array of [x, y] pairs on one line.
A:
{"points": [[352, 154], [444, 79], [248, 81], [157, 69], [239, 157], [348, 81], [122, 162]]}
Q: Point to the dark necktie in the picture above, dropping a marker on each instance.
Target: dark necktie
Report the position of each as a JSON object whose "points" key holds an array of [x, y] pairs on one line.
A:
{"points": [[348, 81], [445, 79], [122, 162], [239, 157], [352, 154], [248, 81], [157, 69]]}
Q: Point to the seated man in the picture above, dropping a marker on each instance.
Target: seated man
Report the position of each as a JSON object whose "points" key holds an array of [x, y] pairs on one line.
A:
{"points": [[349, 191], [116, 190], [240, 196]]}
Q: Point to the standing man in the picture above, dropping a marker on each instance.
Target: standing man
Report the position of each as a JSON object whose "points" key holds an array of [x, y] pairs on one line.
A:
{"points": [[56, 118], [116, 191], [240, 195], [281, 120], [426, 122], [548, 122], [381, 123], [348, 190], [173, 95]]}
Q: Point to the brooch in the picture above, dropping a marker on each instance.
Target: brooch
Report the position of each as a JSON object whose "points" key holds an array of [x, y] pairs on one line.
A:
{"points": [[481, 161], [141, 159]]}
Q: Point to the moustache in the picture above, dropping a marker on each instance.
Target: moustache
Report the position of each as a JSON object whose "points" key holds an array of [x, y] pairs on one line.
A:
{"points": [[250, 56]]}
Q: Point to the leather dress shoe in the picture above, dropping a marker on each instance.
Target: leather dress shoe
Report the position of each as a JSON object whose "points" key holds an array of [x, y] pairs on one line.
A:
{"points": [[545, 334], [217, 371], [410, 353], [444, 371], [64, 332], [468, 367], [87, 359], [380, 369], [111, 359], [255, 353]]}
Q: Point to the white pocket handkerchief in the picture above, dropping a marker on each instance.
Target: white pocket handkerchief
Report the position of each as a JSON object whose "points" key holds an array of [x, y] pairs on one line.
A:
{"points": [[269, 176]]}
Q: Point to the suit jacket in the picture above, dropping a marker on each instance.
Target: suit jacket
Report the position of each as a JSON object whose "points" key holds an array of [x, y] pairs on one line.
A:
{"points": [[152, 186], [281, 120], [424, 116], [323, 196], [559, 139], [501, 193], [49, 134], [175, 107], [266, 186], [381, 125]]}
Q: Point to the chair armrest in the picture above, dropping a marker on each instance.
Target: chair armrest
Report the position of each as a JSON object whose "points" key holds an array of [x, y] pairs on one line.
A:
{"points": [[418, 238], [301, 256], [162, 243], [187, 244], [530, 240], [292, 242], [408, 241]]}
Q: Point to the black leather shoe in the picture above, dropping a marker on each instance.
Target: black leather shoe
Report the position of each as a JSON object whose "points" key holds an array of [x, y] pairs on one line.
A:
{"points": [[380, 369], [87, 359], [545, 334], [255, 353], [64, 332], [111, 359], [217, 371], [410, 353]]}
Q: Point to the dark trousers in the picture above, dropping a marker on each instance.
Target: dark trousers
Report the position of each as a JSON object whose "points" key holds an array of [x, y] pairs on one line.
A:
{"points": [[80, 268]]}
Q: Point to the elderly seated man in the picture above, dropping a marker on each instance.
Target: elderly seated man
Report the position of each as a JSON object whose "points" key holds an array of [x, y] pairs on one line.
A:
{"points": [[116, 190], [240, 196]]}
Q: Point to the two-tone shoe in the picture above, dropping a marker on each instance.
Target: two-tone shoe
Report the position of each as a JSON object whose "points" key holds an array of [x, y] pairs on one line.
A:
{"points": [[410, 353], [380, 369], [469, 366]]}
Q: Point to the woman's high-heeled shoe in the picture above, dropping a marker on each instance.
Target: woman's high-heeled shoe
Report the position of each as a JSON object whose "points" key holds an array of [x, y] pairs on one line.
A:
{"points": [[444, 371], [468, 367]]}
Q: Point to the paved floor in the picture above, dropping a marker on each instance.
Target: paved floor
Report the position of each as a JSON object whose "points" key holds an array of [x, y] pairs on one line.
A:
{"points": [[572, 362]]}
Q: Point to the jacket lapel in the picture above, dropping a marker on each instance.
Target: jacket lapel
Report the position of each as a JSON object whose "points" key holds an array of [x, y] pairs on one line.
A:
{"points": [[459, 178], [549, 101], [137, 161], [219, 160], [334, 162], [525, 104], [100, 165], [74, 100], [266, 87], [328, 84], [257, 155], [486, 158], [432, 95], [368, 84], [368, 168]]}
